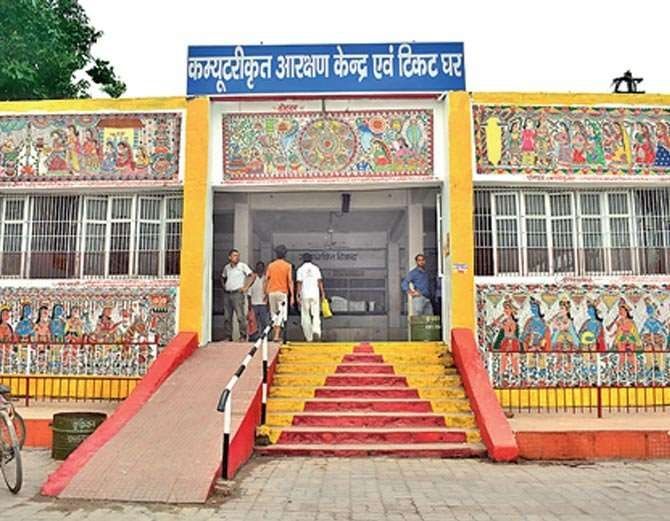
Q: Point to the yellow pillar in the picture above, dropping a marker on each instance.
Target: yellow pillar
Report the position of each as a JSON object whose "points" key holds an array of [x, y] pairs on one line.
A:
{"points": [[193, 244], [461, 211]]}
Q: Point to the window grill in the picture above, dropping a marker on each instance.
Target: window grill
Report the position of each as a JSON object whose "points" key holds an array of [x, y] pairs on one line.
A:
{"points": [[73, 236], [95, 237], [172, 247], [121, 235], [579, 232], [53, 237], [148, 236], [14, 217], [652, 226]]}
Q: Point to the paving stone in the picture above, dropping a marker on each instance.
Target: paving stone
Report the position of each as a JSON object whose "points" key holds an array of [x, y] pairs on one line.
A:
{"points": [[386, 489]]}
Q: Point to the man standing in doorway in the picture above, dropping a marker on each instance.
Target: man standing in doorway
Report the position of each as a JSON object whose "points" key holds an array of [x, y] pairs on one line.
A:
{"points": [[417, 286], [236, 278], [310, 293], [279, 289], [258, 302]]}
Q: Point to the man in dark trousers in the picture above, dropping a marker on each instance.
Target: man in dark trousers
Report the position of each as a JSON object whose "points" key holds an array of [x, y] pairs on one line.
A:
{"points": [[236, 277], [417, 286]]}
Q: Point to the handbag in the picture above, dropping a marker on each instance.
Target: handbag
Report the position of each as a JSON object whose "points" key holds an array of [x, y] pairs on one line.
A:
{"points": [[325, 308]]}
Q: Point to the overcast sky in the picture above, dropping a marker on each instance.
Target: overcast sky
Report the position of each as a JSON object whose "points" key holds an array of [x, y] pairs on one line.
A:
{"points": [[556, 46]]}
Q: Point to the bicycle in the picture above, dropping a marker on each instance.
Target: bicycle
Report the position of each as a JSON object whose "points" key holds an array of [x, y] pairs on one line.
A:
{"points": [[17, 419], [10, 448]]}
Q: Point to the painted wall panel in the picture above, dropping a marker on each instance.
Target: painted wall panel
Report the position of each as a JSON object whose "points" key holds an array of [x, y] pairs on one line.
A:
{"points": [[580, 141], [85, 147]]}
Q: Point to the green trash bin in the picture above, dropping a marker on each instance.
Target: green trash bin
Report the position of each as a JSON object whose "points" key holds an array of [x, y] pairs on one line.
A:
{"points": [[427, 328], [72, 428]]}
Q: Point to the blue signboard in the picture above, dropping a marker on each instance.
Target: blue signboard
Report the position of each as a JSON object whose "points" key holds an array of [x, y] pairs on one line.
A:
{"points": [[355, 68]]}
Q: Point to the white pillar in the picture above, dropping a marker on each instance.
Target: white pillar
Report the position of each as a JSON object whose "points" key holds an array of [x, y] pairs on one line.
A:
{"points": [[394, 277], [414, 226], [242, 227]]}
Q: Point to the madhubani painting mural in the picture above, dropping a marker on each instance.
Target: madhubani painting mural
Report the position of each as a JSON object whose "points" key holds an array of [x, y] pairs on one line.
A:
{"points": [[334, 144], [572, 140], [527, 331], [93, 315], [88, 147], [568, 318]]}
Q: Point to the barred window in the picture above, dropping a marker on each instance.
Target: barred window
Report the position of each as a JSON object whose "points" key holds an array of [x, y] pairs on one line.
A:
{"points": [[95, 235], [148, 236], [591, 228], [535, 232], [172, 247], [13, 234], [73, 236], [620, 236], [483, 233], [121, 235], [562, 231], [53, 237], [652, 226], [507, 235]]}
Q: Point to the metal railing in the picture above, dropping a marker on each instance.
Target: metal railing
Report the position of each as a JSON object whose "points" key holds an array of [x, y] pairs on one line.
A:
{"points": [[622, 381], [86, 370], [50, 388], [91, 358], [225, 404]]}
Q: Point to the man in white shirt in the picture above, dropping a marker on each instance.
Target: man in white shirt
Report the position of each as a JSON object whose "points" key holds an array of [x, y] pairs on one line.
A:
{"points": [[310, 293], [236, 278], [258, 301]]}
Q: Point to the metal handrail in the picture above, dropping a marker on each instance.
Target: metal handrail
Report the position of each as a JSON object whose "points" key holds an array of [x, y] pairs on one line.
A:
{"points": [[225, 394], [225, 404], [582, 370]]}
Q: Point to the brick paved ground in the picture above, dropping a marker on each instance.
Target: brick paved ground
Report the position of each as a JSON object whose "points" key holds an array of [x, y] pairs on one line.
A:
{"points": [[389, 489]]}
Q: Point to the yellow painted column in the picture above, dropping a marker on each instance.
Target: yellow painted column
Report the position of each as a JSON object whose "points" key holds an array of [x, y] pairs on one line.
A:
{"points": [[193, 244], [461, 212]]}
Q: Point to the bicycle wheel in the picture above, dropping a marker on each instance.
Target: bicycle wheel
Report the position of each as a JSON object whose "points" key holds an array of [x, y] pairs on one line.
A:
{"points": [[19, 427], [10, 454]]}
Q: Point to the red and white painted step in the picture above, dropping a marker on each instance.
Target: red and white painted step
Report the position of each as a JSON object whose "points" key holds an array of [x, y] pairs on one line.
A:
{"points": [[365, 409]]}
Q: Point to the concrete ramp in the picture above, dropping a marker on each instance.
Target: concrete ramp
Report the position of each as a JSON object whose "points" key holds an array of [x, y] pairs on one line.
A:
{"points": [[170, 450]]}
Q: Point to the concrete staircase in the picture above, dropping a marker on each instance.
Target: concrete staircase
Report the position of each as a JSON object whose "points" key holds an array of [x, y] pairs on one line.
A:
{"points": [[398, 399]]}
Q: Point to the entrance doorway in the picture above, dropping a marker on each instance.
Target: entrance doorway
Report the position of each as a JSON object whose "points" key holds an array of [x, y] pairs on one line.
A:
{"points": [[364, 244]]}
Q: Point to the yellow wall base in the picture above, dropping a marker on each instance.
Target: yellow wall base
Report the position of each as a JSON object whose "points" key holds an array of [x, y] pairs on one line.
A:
{"points": [[583, 397], [70, 387]]}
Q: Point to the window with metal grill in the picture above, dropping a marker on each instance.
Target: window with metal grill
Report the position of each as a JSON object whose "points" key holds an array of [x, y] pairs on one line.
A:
{"points": [[13, 212], [173, 213], [53, 237], [73, 236], [582, 232]]}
